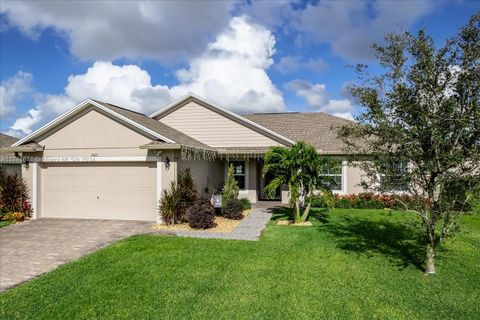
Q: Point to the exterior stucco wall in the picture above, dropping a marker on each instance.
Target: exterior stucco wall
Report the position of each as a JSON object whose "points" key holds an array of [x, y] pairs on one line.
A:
{"points": [[214, 129], [27, 175], [206, 174], [354, 177], [168, 174], [91, 132]]}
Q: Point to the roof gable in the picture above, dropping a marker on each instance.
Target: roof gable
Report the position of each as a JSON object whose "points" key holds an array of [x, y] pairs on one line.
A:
{"points": [[92, 129], [83, 106], [190, 97]]}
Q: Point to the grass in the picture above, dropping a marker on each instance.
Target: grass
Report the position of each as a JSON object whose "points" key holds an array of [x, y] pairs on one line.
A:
{"points": [[351, 264], [5, 223]]}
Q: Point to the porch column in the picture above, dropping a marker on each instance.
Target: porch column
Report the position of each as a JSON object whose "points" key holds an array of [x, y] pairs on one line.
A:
{"points": [[159, 188], [34, 200]]}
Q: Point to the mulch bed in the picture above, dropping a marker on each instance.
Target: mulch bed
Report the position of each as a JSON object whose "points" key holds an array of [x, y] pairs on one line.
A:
{"points": [[223, 225]]}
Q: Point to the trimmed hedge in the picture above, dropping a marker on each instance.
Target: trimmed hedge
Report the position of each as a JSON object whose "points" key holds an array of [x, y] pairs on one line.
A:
{"points": [[365, 201]]}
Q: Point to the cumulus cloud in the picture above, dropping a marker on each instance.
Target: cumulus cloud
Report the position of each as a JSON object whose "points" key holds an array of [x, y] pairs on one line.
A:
{"points": [[351, 28], [289, 64], [106, 30], [317, 99], [12, 90], [122, 85], [231, 72]]}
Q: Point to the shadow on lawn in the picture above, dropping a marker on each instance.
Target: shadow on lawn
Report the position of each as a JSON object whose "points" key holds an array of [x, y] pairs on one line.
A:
{"points": [[284, 213], [398, 241]]}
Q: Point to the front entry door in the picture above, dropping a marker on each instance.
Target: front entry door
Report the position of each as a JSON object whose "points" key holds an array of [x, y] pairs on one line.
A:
{"points": [[264, 181]]}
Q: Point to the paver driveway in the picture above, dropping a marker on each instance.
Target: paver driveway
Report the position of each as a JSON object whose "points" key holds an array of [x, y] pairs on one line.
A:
{"points": [[31, 248]]}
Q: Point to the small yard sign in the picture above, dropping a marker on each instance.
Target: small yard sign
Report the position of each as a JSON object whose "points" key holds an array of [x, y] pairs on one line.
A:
{"points": [[217, 200]]}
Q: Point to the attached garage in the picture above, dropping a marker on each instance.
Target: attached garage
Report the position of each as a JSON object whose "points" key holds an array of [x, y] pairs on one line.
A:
{"points": [[107, 190], [135, 158]]}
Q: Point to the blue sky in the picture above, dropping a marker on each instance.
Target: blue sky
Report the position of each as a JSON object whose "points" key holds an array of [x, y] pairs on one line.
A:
{"points": [[269, 56]]}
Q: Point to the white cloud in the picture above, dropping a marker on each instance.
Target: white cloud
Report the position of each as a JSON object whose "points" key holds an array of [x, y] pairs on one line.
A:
{"points": [[231, 72], [12, 90], [352, 27], [106, 30], [317, 99], [289, 64], [126, 85]]}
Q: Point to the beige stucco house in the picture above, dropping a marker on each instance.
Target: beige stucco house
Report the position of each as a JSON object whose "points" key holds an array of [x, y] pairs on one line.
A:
{"points": [[101, 161]]}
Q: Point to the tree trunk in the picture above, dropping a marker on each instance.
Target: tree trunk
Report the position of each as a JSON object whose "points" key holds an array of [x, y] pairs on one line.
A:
{"points": [[306, 212], [430, 260], [296, 215]]}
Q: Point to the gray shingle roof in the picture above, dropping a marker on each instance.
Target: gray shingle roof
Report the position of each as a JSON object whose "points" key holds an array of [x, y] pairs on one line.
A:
{"points": [[316, 128], [6, 141], [156, 126]]}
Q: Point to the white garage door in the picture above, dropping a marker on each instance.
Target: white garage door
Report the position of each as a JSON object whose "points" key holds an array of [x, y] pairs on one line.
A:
{"points": [[124, 191]]}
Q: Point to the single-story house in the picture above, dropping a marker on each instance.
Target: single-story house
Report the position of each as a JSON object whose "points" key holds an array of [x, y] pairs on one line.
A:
{"points": [[8, 161], [101, 161]]}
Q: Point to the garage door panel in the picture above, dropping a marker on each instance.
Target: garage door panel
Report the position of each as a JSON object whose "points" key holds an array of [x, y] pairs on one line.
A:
{"points": [[100, 191]]}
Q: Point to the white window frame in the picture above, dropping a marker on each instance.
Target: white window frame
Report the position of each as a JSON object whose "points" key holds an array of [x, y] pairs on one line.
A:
{"points": [[392, 191], [343, 175]]}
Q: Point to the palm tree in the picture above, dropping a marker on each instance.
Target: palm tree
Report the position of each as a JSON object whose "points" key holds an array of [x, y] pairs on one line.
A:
{"points": [[299, 167]]}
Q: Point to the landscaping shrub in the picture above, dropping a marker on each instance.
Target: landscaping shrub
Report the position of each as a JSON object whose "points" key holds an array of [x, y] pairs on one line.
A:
{"points": [[230, 189], [170, 204], [202, 214], [246, 203], [233, 209], [366, 201], [14, 195], [14, 216], [187, 192], [344, 203], [176, 201]]}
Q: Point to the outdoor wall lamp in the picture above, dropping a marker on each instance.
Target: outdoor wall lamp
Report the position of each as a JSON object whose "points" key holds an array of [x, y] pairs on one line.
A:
{"points": [[167, 162]]}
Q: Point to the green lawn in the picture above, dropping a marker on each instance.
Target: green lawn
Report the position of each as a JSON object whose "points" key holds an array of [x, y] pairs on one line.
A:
{"points": [[4, 223], [350, 264]]}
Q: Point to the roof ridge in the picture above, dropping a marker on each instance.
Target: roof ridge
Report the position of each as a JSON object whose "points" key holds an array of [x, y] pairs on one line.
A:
{"points": [[123, 108]]}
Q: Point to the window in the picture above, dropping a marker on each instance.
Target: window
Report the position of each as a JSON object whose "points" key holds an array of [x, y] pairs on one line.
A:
{"points": [[238, 172], [393, 181], [335, 174]]}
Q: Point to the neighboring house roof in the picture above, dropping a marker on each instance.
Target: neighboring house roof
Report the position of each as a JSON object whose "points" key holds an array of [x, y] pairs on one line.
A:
{"points": [[222, 111], [316, 128], [7, 141]]}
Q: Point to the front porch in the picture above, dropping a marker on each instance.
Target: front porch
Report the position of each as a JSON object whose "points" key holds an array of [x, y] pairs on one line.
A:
{"points": [[209, 176]]}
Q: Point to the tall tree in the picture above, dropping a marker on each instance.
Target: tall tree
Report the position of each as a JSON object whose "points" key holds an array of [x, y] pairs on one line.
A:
{"points": [[420, 125], [299, 167]]}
